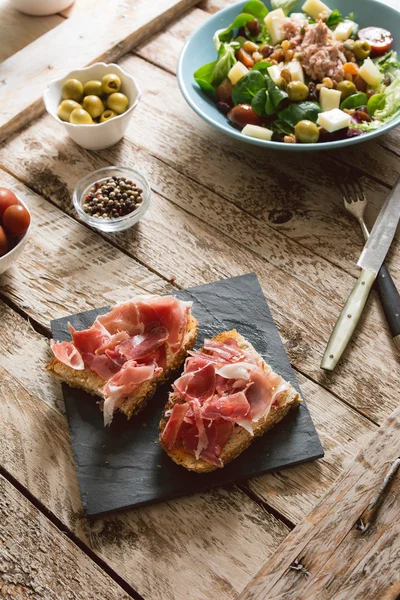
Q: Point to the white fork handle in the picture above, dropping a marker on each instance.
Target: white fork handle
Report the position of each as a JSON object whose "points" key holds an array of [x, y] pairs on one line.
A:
{"points": [[348, 319]]}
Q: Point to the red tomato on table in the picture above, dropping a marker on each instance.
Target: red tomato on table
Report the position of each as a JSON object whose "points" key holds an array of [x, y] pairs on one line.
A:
{"points": [[379, 39], [3, 242]]}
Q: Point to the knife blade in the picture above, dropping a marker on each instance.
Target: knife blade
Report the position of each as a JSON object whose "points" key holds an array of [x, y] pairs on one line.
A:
{"points": [[370, 261]]}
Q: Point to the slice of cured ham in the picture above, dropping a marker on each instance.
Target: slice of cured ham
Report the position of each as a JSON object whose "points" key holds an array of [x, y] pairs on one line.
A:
{"points": [[197, 385], [88, 340], [66, 353], [144, 344], [127, 379], [122, 317], [174, 423], [101, 364]]}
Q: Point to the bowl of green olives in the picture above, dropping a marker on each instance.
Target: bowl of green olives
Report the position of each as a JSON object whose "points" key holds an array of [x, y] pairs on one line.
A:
{"points": [[94, 104]]}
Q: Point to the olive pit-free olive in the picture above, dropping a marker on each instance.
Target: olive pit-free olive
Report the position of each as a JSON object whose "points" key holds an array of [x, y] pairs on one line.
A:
{"points": [[306, 132], [72, 90], [111, 83], [93, 105], [79, 116], [107, 115], [93, 88], [297, 91], [65, 109], [347, 88], [362, 49], [117, 102]]}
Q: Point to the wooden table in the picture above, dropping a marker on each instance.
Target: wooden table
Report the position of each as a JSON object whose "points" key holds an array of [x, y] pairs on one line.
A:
{"points": [[219, 208]]}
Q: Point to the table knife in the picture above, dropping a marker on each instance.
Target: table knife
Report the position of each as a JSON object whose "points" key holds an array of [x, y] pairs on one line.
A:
{"points": [[370, 261]]}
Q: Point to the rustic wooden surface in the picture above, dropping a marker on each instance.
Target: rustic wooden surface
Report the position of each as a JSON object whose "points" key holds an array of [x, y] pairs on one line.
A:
{"points": [[336, 552], [219, 208]]}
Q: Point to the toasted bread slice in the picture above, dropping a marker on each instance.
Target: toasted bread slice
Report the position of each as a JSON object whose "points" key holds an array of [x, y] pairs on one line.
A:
{"points": [[240, 438], [133, 404]]}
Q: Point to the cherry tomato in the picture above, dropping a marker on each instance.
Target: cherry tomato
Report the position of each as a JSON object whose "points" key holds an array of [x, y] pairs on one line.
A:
{"points": [[379, 39], [16, 219], [7, 198], [3, 242], [244, 114]]}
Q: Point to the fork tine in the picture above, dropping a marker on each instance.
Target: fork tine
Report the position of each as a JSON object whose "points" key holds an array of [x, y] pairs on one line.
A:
{"points": [[346, 191]]}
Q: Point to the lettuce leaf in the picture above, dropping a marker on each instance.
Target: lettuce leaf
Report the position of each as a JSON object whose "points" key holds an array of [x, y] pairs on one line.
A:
{"points": [[209, 76], [256, 8], [286, 5]]}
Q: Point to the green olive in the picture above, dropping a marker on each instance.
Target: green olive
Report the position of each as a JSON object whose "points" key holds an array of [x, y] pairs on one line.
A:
{"points": [[93, 88], [79, 116], [107, 115], [111, 83], [118, 103], [93, 105], [347, 88], [362, 49], [65, 109], [297, 91], [306, 132], [349, 44], [72, 90]]}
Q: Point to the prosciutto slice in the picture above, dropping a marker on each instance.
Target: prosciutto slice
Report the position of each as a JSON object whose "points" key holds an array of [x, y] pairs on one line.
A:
{"points": [[122, 317], [144, 344], [218, 433], [197, 385], [173, 426], [234, 407], [66, 353], [88, 340], [129, 377], [101, 364]]}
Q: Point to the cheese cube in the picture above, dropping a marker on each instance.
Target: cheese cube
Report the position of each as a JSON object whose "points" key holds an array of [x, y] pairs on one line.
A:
{"points": [[343, 31], [255, 131], [370, 72], [274, 21], [329, 99], [296, 70], [333, 120], [315, 8], [275, 73], [237, 72], [298, 17]]}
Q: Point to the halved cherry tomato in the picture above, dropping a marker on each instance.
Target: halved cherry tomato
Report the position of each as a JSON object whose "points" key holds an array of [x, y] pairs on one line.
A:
{"points": [[379, 39], [351, 68], [16, 219], [244, 114], [7, 198]]}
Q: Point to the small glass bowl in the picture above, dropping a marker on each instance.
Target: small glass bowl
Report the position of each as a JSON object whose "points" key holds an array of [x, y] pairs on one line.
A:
{"points": [[120, 223]]}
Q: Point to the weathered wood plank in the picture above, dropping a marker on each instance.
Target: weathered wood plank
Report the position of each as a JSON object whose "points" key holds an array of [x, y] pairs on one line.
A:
{"points": [[95, 32], [175, 550], [163, 50], [330, 545], [18, 30], [38, 561], [293, 492], [304, 312]]}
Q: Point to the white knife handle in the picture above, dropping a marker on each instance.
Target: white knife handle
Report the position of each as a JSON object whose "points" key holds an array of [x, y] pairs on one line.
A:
{"points": [[348, 319]]}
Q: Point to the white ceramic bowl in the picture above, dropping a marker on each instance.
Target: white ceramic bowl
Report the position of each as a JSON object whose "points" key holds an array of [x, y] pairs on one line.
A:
{"points": [[13, 255], [99, 135], [41, 7]]}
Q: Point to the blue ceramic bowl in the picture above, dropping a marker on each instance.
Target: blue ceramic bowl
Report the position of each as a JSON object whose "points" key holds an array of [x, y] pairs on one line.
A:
{"points": [[199, 49]]}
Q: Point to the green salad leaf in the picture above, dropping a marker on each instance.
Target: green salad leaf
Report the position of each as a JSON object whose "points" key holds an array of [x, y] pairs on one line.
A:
{"points": [[261, 66], [275, 96], [302, 111], [388, 63], [334, 18], [259, 101], [376, 102], [225, 35], [286, 5], [281, 127], [392, 102], [247, 87], [256, 8], [209, 76], [354, 101]]}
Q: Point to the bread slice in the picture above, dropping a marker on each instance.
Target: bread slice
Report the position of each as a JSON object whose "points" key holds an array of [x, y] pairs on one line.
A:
{"points": [[240, 438], [133, 404]]}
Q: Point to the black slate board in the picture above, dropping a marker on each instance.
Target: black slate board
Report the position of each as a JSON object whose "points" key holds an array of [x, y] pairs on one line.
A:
{"points": [[123, 466]]}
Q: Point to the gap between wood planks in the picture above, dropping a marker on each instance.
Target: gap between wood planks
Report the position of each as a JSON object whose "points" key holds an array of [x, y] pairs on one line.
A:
{"points": [[68, 533]]}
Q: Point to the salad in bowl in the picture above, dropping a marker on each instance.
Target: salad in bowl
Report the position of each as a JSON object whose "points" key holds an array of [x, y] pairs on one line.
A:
{"points": [[304, 77]]}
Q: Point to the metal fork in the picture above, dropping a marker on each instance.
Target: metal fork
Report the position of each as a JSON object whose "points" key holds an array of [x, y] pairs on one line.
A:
{"points": [[355, 202]]}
